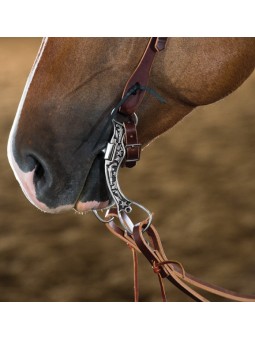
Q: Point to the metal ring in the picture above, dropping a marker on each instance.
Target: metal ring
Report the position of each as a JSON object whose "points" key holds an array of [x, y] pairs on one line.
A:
{"points": [[100, 218], [148, 225], [136, 118], [126, 227]]}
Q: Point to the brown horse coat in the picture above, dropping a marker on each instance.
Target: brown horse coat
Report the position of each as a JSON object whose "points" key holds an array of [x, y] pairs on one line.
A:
{"points": [[63, 120]]}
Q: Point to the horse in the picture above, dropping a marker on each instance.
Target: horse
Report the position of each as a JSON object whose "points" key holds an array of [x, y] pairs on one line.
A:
{"points": [[63, 121]]}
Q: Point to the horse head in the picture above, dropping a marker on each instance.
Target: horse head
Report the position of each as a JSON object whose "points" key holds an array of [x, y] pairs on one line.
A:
{"points": [[63, 120]]}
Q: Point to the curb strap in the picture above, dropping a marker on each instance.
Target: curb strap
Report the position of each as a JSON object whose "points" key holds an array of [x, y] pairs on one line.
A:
{"points": [[140, 77]]}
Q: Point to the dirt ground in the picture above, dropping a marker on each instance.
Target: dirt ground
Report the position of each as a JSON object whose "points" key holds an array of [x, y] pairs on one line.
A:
{"points": [[201, 189]]}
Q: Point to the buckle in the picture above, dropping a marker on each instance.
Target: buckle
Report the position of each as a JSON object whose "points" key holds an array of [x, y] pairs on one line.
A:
{"points": [[133, 152]]}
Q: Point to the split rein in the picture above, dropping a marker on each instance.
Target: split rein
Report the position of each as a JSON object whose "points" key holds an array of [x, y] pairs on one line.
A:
{"points": [[142, 237], [151, 247]]}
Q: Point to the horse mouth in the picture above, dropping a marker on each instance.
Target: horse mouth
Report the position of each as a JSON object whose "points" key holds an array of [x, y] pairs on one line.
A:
{"points": [[95, 194]]}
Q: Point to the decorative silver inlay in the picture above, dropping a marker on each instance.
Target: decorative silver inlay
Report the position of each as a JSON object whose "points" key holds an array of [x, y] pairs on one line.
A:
{"points": [[114, 155]]}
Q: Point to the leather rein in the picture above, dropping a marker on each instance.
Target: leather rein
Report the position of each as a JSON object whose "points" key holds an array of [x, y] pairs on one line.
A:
{"points": [[124, 150]]}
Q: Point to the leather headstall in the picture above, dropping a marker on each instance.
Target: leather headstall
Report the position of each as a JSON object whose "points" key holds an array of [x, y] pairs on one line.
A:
{"points": [[139, 77]]}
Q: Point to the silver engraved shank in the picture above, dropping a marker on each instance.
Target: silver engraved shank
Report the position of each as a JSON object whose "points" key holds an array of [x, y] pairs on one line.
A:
{"points": [[114, 155]]}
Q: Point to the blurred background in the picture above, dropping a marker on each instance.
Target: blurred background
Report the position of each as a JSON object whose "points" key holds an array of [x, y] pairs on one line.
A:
{"points": [[201, 188]]}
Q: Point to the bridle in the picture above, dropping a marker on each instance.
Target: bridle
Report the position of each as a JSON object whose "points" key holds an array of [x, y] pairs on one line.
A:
{"points": [[124, 150]]}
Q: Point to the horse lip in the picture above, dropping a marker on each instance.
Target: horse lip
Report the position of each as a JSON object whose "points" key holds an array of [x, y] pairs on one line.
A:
{"points": [[89, 197], [93, 204], [81, 207], [101, 149]]}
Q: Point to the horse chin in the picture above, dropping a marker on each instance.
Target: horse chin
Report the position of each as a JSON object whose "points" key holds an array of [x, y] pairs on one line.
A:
{"points": [[94, 194], [90, 205]]}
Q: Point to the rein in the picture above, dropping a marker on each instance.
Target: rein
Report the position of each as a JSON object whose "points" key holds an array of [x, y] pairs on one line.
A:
{"points": [[124, 150]]}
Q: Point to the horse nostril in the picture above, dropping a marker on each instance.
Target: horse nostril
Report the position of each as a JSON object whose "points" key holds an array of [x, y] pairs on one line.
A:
{"points": [[39, 172]]}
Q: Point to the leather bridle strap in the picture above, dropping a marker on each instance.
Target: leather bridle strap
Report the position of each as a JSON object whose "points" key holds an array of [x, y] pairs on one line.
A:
{"points": [[139, 79], [141, 75], [155, 255], [123, 235]]}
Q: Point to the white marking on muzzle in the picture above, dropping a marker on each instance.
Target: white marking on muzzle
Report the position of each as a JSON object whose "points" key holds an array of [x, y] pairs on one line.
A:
{"points": [[26, 182]]}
